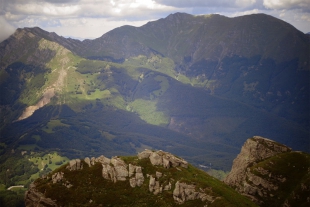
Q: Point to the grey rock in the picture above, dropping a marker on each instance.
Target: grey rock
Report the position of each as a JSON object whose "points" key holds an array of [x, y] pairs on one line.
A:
{"points": [[133, 182], [92, 161], [57, 177], [184, 192], [145, 154], [151, 184], [34, 198], [158, 174], [131, 170], [156, 159], [120, 168], [168, 186], [87, 160], [103, 160], [75, 165], [108, 172], [240, 177], [139, 176]]}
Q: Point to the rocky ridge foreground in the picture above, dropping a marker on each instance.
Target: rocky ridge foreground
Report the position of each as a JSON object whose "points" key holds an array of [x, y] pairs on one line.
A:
{"points": [[271, 174], [155, 177]]}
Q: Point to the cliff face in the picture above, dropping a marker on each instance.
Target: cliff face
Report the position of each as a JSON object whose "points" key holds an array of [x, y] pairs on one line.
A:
{"points": [[155, 178], [271, 174]]}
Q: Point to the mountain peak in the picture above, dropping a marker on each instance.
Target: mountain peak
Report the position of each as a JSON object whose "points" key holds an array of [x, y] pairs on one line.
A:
{"points": [[265, 169]]}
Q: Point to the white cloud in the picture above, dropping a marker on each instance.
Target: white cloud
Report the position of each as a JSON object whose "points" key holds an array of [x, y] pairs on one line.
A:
{"points": [[89, 28], [253, 11], [287, 4], [6, 29], [91, 18]]}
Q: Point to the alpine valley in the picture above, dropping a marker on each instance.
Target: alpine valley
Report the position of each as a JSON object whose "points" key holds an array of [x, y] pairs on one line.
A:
{"points": [[194, 86]]}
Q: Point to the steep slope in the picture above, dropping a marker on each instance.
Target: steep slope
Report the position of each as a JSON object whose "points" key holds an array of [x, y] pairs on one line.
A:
{"points": [[256, 59], [152, 178], [189, 38], [271, 174]]}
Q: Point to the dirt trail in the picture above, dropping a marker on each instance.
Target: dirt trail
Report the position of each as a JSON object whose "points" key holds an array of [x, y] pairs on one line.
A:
{"points": [[46, 97]]}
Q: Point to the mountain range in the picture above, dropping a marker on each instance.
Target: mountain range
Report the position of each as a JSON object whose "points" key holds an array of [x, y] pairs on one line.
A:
{"points": [[195, 86]]}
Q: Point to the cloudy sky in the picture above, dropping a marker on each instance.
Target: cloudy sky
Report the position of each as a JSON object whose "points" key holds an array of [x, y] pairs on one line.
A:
{"points": [[91, 18]]}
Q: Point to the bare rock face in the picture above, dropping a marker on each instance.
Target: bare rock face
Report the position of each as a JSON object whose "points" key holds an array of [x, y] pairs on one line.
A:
{"points": [[145, 154], [253, 151], [75, 165], [120, 168], [57, 177], [165, 159], [154, 186], [34, 198], [243, 180], [185, 192], [87, 161]]}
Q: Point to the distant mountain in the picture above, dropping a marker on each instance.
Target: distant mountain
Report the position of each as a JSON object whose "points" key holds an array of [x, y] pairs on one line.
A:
{"points": [[196, 86]]}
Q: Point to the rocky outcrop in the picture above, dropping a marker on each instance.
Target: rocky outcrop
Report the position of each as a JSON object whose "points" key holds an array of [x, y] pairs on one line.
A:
{"points": [[136, 176], [255, 173], [75, 165], [165, 159], [117, 170], [57, 177], [185, 192], [34, 198], [254, 150]]}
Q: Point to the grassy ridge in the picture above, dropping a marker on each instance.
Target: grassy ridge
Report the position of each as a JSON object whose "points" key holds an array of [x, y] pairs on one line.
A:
{"points": [[88, 184]]}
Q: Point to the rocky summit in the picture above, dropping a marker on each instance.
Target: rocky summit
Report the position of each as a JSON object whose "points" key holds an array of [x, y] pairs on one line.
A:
{"points": [[271, 174], [152, 178]]}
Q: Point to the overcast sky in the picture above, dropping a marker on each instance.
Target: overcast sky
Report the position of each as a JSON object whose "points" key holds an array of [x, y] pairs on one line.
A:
{"points": [[89, 19]]}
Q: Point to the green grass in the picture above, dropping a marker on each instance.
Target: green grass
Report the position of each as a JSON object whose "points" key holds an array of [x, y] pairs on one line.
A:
{"points": [[49, 159], [49, 128], [291, 166], [88, 184], [2, 187], [148, 112]]}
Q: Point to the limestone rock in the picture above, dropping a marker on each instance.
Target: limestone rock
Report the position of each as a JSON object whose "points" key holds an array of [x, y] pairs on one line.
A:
{"points": [[168, 186], [243, 180], [152, 184], [92, 160], [133, 182], [145, 154], [57, 177], [158, 174], [103, 160], [120, 168], [108, 172], [35, 198], [165, 159], [87, 160], [131, 170], [139, 176], [156, 159], [75, 165], [184, 192]]}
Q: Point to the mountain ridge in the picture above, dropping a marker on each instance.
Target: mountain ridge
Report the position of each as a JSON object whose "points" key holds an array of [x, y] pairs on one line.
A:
{"points": [[172, 181], [154, 87]]}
